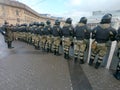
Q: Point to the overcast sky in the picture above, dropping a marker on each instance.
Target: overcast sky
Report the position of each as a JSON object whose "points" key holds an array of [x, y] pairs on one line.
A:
{"points": [[71, 8]]}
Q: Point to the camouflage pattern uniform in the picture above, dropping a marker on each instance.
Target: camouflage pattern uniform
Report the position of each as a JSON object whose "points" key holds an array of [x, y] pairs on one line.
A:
{"points": [[37, 37], [43, 37], [81, 33], [102, 34], [67, 34], [48, 33], [21, 32], [15, 32], [8, 35], [29, 35], [57, 37], [33, 28]]}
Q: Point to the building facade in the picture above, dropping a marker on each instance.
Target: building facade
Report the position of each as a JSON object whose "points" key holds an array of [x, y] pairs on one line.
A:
{"points": [[15, 12]]}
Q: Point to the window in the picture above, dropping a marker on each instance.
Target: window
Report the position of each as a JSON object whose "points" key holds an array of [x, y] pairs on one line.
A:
{"points": [[18, 19], [17, 12]]}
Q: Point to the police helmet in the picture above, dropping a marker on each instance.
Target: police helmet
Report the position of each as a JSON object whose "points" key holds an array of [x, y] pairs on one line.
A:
{"points": [[35, 23], [106, 19], [42, 24], [24, 24], [69, 20], [83, 20], [48, 22], [6, 22], [57, 22], [38, 24], [30, 24]]}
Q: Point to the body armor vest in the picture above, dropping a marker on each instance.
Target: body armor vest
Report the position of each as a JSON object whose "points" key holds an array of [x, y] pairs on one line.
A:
{"points": [[67, 31], [102, 35], [56, 31]]}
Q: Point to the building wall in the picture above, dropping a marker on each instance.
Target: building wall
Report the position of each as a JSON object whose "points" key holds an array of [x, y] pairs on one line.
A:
{"points": [[17, 13]]}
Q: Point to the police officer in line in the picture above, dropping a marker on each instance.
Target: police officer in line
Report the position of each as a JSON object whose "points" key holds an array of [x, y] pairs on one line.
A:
{"points": [[33, 28], [117, 73], [43, 37], [20, 36], [101, 35], [14, 32], [29, 36], [18, 32], [48, 33], [24, 32], [8, 35], [57, 37], [82, 32], [37, 37], [27, 33], [67, 36]]}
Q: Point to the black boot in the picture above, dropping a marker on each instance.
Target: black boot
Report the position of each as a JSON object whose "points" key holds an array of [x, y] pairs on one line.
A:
{"points": [[117, 75], [10, 45], [57, 53], [50, 50], [81, 61], [91, 62], [65, 55], [43, 49], [97, 65], [54, 52], [47, 49], [38, 47], [75, 59]]}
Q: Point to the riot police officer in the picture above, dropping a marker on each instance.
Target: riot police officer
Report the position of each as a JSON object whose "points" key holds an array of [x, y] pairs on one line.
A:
{"points": [[43, 37], [48, 33], [14, 32], [24, 29], [37, 37], [29, 36], [20, 37], [82, 32], [8, 34], [33, 28], [101, 35], [117, 73], [17, 31], [57, 37], [67, 36]]}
